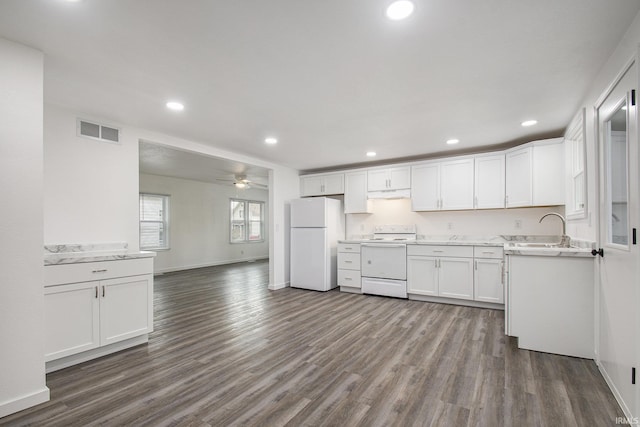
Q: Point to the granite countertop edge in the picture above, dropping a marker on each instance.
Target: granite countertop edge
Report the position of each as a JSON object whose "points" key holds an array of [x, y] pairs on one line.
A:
{"points": [[75, 258]]}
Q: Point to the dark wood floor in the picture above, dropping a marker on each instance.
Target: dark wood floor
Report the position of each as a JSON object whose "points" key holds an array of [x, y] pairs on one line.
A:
{"points": [[227, 351]]}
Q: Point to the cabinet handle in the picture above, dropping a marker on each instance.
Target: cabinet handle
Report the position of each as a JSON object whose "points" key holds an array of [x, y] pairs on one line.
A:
{"points": [[96, 292], [475, 265], [347, 278], [437, 251], [488, 252], [348, 262], [104, 270], [103, 292], [506, 200], [475, 202], [502, 275]]}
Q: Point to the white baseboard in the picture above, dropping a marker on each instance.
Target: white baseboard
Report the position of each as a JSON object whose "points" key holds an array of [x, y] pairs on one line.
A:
{"points": [[24, 402], [614, 390], [208, 264], [456, 301], [65, 362], [276, 286]]}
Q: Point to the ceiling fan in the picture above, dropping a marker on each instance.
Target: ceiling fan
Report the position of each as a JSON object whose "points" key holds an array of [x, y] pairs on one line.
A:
{"points": [[242, 182]]}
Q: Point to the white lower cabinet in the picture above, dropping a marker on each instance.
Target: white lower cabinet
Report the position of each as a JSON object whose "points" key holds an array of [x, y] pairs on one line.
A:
{"points": [[72, 319], [91, 314], [349, 278], [455, 278], [488, 280], [444, 271], [84, 316], [459, 272]]}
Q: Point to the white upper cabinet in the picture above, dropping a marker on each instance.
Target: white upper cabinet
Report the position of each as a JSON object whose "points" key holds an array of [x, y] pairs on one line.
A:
{"points": [[456, 184], [548, 173], [519, 167], [355, 193], [389, 179], [425, 191], [320, 185], [489, 181], [442, 185], [535, 174]]}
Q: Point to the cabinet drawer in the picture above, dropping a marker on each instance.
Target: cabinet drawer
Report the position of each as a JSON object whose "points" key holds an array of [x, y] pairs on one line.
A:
{"points": [[89, 271], [349, 247], [350, 278], [441, 250], [349, 261], [488, 252]]}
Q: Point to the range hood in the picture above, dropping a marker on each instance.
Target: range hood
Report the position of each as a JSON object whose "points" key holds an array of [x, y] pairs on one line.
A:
{"points": [[389, 194]]}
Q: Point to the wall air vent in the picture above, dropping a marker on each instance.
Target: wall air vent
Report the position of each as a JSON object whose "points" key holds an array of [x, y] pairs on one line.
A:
{"points": [[96, 131]]}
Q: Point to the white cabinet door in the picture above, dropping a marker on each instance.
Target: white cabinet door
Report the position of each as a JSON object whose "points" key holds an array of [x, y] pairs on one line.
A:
{"points": [[355, 193], [319, 185], [311, 186], [72, 319], [333, 184], [399, 178], [389, 179], [422, 275], [377, 180], [488, 282], [425, 187], [489, 181], [126, 308], [456, 278], [518, 179], [456, 184], [548, 173]]}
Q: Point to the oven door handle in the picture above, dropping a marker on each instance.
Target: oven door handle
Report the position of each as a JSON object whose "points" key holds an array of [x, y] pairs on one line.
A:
{"points": [[383, 245]]}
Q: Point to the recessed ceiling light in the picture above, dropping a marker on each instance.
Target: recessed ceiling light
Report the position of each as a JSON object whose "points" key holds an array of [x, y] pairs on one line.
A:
{"points": [[400, 9], [452, 141], [270, 140], [371, 153], [529, 123], [175, 106]]}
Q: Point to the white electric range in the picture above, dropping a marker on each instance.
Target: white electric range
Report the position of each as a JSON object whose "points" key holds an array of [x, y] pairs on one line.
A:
{"points": [[384, 260]]}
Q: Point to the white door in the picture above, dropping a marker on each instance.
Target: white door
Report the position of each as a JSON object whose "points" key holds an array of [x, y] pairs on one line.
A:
{"points": [[333, 184], [126, 308], [617, 297], [312, 186], [489, 181], [378, 180], [355, 193], [518, 181], [422, 275], [309, 259], [456, 278], [399, 178], [71, 319], [425, 188], [456, 184], [487, 280]]}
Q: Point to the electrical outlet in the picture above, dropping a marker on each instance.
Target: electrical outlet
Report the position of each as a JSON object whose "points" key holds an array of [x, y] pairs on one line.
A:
{"points": [[241, 252], [450, 226], [518, 224]]}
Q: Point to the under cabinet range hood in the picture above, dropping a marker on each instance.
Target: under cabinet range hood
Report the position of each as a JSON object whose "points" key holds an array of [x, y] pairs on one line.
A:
{"points": [[390, 194]]}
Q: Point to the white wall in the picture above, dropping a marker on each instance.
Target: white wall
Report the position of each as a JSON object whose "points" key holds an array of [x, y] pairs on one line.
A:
{"points": [[199, 223], [491, 222], [22, 372], [91, 187]]}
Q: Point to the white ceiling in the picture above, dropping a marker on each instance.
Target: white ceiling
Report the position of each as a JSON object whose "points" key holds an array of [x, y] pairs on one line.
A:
{"points": [[161, 160], [331, 79]]}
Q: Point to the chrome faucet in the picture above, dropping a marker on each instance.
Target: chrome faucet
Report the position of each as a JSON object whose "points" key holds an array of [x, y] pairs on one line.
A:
{"points": [[566, 241]]}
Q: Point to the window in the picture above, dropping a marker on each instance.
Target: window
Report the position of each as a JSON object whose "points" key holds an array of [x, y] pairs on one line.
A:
{"points": [[247, 221], [154, 221]]}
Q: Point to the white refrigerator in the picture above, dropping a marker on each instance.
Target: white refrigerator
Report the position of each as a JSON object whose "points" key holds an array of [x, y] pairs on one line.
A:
{"points": [[317, 223]]}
